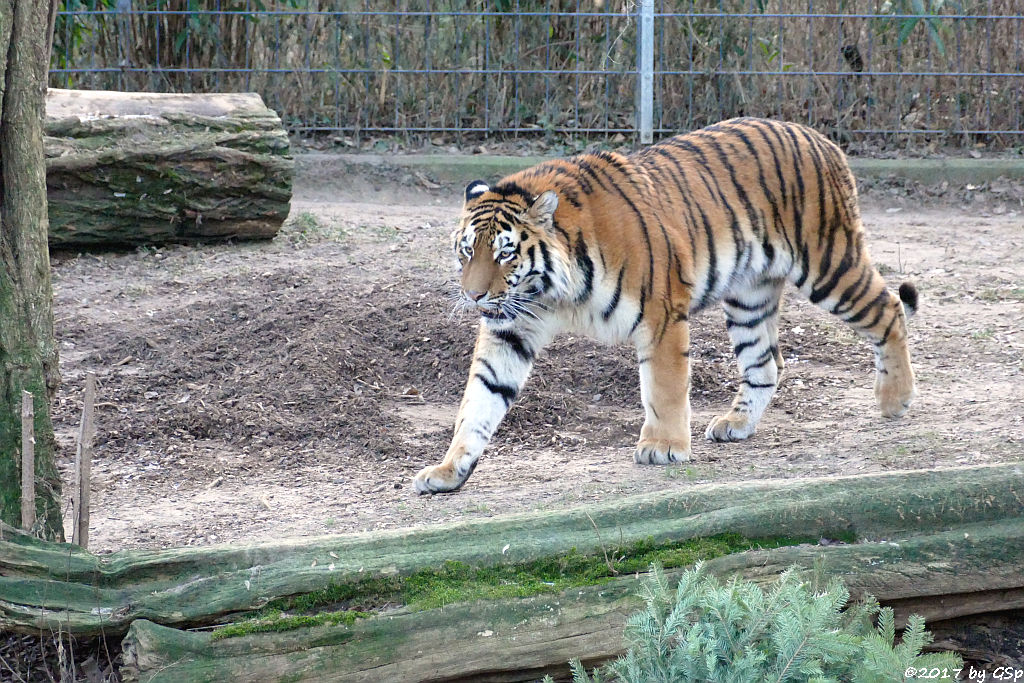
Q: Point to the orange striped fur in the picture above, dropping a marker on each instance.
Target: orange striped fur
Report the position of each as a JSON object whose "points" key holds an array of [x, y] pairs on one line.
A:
{"points": [[628, 247]]}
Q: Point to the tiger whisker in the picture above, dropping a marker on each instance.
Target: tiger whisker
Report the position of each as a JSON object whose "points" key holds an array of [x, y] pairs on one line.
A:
{"points": [[459, 305], [532, 302], [527, 306], [519, 309]]}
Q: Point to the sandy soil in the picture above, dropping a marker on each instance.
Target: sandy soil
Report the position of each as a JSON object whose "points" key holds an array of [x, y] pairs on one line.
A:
{"points": [[294, 387]]}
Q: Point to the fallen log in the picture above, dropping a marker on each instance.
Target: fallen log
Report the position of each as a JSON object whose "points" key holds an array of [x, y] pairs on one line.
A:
{"points": [[50, 587], [940, 575], [142, 168]]}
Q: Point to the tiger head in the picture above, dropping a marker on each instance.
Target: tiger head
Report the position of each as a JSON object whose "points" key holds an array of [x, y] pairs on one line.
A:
{"points": [[509, 261]]}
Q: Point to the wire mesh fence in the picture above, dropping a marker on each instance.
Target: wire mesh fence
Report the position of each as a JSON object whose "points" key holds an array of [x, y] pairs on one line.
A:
{"points": [[917, 71]]}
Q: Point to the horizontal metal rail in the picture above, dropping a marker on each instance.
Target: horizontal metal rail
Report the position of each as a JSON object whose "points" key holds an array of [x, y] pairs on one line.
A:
{"points": [[569, 68]]}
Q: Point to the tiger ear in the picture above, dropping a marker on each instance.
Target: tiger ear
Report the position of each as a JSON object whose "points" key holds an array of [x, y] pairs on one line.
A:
{"points": [[475, 189], [544, 206]]}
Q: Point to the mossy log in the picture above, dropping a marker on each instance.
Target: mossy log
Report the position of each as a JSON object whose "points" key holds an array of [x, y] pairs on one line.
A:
{"points": [[51, 587], [522, 639], [142, 168]]}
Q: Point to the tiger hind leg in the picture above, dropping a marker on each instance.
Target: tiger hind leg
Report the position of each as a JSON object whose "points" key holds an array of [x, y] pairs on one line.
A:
{"points": [[859, 297], [752, 318], [881, 317], [895, 388]]}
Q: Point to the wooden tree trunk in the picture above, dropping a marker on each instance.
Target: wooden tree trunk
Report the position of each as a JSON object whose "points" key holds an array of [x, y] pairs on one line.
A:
{"points": [[28, 353], [944, 544], [52, 587], [140, 168], [523, 639]]}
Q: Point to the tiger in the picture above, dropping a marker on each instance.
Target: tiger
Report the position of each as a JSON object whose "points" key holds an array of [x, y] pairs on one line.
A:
{"points": [[626, 248]]}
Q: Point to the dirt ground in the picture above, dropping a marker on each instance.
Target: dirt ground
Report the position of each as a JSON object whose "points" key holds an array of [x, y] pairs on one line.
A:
{"points": [[255, 391]]}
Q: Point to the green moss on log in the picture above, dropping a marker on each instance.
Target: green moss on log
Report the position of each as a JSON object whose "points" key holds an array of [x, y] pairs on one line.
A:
{"points": [[278, 623], [458, 582]]}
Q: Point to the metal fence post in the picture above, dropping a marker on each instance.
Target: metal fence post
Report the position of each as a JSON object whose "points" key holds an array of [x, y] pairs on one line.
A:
{"points": [[645, 63]]}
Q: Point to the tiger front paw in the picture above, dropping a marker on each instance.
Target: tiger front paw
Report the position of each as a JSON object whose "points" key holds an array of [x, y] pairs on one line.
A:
{"points": [[729, 427], [894, 396], [661, 452], [444, 478]]}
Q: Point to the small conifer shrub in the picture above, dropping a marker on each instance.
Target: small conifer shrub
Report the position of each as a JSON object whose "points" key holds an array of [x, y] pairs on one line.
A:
{"points": [[737, 632]]}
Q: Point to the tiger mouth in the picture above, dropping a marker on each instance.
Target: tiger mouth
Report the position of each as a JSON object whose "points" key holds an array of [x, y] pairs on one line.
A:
{"points": [[497, 314]]}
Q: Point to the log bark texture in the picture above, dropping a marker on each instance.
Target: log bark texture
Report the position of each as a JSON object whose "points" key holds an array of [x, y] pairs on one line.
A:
{"points": [[45, 586], [142, 168], [941, 575], [28, 353]]}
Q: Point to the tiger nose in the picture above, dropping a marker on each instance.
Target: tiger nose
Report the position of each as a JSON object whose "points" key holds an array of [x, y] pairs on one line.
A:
{"points": [[475, 295]]}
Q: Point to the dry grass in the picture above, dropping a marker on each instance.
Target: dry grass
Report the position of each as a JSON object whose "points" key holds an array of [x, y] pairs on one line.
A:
{"points": [[349, 70], [52, 658]]}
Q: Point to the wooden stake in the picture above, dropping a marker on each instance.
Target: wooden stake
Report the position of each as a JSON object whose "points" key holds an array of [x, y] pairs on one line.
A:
{"points": [[28, 463], [83, 462]]}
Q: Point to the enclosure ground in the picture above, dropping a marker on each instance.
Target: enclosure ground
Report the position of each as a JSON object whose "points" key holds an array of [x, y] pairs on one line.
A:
{"points": [[258, 391]]}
